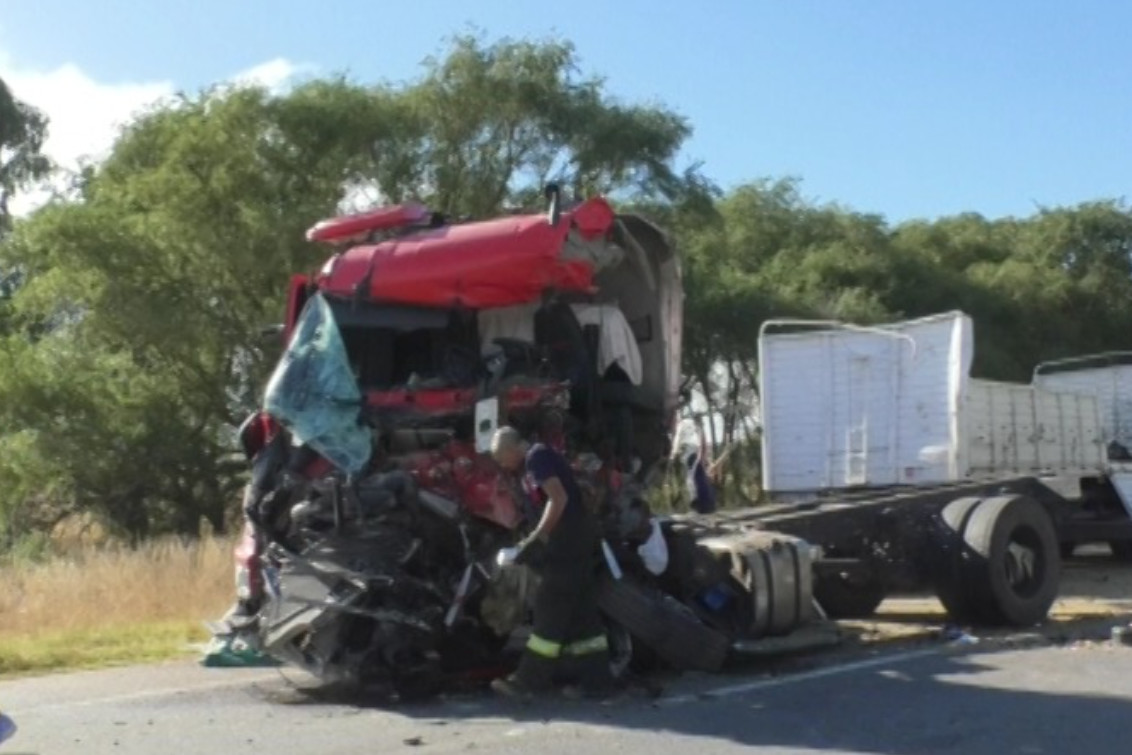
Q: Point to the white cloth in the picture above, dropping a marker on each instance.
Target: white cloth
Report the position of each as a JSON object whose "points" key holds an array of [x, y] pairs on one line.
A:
{"points": [[654, 551], [617, 344], [507, 322]]}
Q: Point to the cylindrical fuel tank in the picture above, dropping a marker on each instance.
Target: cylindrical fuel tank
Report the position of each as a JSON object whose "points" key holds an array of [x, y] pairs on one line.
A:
{"points": [[772, 575]]}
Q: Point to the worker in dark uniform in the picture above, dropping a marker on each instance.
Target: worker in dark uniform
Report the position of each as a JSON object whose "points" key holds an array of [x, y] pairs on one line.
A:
{"points": [[568, 632]]}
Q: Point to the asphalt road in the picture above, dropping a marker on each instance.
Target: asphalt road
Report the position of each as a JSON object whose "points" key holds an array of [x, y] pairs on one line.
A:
{"points": [[937, 699]]}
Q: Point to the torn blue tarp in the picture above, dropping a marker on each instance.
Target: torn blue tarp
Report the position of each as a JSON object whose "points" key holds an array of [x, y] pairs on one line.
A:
{"points": [[314, 394]]}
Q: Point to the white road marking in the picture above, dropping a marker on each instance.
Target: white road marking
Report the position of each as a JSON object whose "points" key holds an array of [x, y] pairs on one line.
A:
{"points": [[140, 695], [716, 692], [805, 676]]}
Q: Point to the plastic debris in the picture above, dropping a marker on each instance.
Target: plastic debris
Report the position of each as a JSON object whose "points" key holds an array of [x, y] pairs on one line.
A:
{"points": [[957, 636], [1122, 635], [654, 551]]}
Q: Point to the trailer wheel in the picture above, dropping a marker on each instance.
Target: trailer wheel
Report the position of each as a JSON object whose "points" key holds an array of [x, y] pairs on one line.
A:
{"points": [[844, 598], [1010, 565], [950, 582]]}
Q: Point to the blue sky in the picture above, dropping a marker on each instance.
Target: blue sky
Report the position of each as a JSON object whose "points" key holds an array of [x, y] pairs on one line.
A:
{"points": [[908, 109]]}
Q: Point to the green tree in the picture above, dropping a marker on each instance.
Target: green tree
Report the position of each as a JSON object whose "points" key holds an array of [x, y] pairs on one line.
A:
{"points": [[22, 130], [135, 351], [769, 253]]}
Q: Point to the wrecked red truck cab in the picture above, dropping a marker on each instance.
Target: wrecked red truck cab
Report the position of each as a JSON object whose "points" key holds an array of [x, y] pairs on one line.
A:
{"points": [[375, 512], [565, 324], [596, 297]]}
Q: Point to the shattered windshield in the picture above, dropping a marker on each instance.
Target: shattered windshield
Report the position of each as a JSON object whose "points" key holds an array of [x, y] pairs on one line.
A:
{"points": [[314, 394]]}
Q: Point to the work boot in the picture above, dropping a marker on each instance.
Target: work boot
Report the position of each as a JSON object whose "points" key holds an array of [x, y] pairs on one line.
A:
{"points": [[512, 687], [595, 680], [534, 676]]}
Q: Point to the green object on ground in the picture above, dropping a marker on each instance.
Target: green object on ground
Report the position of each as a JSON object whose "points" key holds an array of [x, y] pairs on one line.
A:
{"points": [[232, 652]]}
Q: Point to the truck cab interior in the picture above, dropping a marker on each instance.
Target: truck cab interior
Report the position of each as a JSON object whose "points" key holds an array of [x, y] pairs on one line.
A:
{"points": [[424, 369], [601, 362]]}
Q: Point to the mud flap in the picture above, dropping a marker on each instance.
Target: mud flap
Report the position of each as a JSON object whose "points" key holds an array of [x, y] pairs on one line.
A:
{"points": [[661, 623]]}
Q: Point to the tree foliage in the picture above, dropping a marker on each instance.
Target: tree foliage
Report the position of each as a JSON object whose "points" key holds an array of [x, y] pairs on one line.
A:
{"points": [[22, 131], [132, 352]]}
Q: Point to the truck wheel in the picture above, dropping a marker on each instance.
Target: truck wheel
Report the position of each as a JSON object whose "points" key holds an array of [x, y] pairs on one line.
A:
{"points": [[1010, 566], [950, 584], [844, 598]]}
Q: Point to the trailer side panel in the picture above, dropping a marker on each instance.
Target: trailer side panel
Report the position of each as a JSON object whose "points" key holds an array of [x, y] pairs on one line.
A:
{"points": [[1016, 429], [1112, 387], [852, 407]]}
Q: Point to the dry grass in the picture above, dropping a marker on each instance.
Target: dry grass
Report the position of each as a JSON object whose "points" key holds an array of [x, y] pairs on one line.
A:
{"points": [[99, 604], [109, 604]]}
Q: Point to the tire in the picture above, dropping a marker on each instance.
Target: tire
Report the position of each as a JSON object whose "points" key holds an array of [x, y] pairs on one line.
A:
{"points": [[844, 598], [1008, 570], [950, 585], [621, 648], [645, 660], [676, 636]]}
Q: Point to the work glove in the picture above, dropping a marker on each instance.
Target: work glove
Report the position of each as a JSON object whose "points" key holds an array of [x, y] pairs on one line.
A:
{"points": [[506, 556], [525, 552]]}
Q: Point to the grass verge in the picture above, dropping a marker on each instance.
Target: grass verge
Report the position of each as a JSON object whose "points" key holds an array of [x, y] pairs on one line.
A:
{"points": [[97, 647], [109, 605]]}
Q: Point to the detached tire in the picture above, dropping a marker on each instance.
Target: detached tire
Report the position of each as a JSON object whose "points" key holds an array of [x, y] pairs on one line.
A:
{"points": [[844, 598], [621, 650], [1005, 566], [661, 623]]}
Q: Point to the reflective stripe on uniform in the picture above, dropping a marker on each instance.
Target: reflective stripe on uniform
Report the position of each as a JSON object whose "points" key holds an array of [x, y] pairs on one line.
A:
{"points": [[545, 648], [596, 644]]}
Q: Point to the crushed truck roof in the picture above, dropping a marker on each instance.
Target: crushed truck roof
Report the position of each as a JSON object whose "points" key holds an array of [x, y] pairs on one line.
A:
{"points": [[494, 263]]}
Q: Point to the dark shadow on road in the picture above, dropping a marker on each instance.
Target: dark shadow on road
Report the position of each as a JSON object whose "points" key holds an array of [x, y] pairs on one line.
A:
{"points": [[1024, 695]]}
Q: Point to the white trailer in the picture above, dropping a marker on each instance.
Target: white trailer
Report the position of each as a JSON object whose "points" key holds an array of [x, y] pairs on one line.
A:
{"points": [[879, 446], [887, 406], [1107, 378]]}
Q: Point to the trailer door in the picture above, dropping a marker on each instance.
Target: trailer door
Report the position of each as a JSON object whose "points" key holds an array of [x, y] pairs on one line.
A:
{"points": [[872, 412], [848, 407]]}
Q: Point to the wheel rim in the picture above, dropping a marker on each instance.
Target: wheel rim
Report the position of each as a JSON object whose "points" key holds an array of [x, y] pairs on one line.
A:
{"points": [[1024, 562]]}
